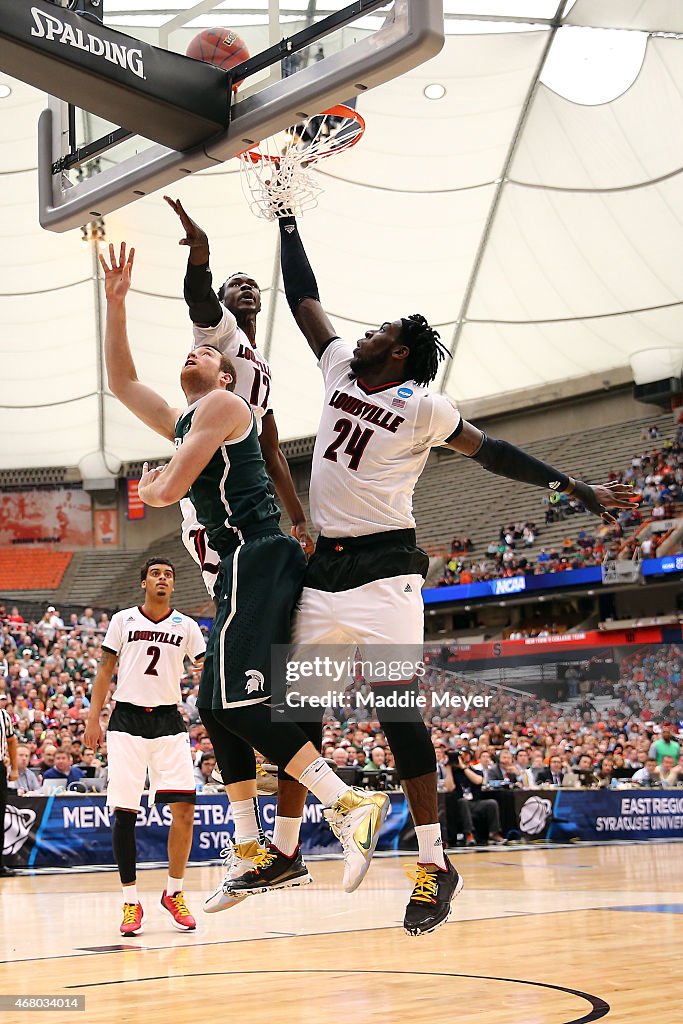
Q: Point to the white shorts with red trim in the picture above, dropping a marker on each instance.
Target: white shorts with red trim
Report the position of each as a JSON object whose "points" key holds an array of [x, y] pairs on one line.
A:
{"points": [[168, 760]]}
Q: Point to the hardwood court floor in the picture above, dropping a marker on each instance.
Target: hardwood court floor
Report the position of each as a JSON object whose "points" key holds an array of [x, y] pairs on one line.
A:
{"points": [[555, 936]]}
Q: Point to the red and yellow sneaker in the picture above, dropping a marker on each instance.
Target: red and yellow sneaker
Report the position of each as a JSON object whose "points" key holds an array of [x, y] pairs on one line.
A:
{"points": [[177, 908], [132, 919]]}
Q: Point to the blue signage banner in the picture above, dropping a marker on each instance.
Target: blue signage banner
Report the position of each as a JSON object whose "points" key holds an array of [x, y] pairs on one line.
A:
{"points": [[66, 831], [660, 566], [607, 814], [514, 585]]}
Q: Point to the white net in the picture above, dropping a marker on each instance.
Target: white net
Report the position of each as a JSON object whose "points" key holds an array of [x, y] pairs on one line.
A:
{"points": [[278, 178]]}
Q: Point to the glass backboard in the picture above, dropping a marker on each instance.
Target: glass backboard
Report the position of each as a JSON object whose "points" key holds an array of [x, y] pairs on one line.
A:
{"points": [[305, 55]]}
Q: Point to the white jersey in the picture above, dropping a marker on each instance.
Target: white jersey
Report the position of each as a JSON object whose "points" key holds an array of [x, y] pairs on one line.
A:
{"points": [[252, 384], [151, 655], [371, 447], [253, 372]]}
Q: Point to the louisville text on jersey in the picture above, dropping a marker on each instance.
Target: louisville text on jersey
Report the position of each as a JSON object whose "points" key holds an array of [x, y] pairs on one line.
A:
{"points": [[154, 636], [367, 411]]}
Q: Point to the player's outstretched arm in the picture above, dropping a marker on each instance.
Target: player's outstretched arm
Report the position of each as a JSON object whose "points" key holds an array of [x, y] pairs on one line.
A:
{"points": [[220, 417], [505, 459], [142, 401], [301, 288], [202, 302]]}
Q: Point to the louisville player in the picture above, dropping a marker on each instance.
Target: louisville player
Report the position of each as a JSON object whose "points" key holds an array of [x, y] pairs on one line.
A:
{"points": [[227, 320], [146, 733], [218, 465], [363, 583]]}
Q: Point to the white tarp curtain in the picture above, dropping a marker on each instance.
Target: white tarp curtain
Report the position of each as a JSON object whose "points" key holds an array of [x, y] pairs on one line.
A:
{"points": [[580, 267]]}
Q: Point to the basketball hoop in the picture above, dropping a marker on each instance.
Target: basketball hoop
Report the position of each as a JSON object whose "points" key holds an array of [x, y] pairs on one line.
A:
{"points": [[275, 174]]}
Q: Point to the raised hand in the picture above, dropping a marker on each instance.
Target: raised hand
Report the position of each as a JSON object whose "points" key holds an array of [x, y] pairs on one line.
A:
{"points": [[117, 274], [195, 237], [599, 497]]}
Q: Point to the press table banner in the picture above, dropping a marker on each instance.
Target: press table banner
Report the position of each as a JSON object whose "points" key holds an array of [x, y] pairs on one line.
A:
{"points": [[66, 831], [599, 815]]}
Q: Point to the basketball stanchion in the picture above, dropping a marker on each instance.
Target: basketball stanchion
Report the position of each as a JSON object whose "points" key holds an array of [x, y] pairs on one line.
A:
{"points": [[276, 174]]}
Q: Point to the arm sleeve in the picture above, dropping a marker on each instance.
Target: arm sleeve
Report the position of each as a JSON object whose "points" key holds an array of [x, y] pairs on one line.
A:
{"points": [[222, 335], [438, 421], [113, 637], [202, 302], [297, 275], [505, 459]]}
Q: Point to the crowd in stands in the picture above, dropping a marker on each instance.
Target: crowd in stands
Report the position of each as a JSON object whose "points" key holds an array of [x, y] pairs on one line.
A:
{"points": [[47, 668], [656, 474]]}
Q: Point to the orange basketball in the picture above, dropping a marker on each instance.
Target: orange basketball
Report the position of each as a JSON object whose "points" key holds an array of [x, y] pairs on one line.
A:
{"points": [[219, 46]]}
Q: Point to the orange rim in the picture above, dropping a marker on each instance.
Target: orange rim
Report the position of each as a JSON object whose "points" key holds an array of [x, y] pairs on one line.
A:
{"points": [[255, 155]]}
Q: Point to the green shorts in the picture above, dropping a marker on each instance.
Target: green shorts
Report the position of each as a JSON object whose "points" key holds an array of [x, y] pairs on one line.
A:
{"points": [[260, 584]]}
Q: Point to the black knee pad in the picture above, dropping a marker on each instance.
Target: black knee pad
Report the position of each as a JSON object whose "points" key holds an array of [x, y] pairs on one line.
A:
{"points": [[411, 746], [314, 733], [123, 842]]}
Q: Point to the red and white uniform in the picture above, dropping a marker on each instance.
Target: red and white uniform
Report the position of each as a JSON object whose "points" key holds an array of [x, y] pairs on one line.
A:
{"points": [[371, 447], [151, 657]]}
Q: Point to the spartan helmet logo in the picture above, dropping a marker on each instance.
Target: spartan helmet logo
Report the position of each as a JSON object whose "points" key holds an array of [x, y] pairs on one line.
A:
{"points": [[17, 828], [255, 681], [535, 815]]}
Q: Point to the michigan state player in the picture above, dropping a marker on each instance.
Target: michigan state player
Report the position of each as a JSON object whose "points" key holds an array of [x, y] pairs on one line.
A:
{"points": [[218, 464], [227, 320], [363, 584]]}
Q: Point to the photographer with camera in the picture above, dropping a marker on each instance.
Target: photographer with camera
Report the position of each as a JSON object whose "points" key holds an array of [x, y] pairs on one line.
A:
{"points": [[465, 806]]}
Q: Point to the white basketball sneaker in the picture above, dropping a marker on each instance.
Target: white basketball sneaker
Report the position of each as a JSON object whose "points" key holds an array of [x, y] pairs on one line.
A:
{"points": [[356, 819], [238, 858]]}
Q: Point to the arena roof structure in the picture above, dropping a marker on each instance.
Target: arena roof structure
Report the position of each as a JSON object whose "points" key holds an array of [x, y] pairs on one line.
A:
{"points": [[524, 190]]}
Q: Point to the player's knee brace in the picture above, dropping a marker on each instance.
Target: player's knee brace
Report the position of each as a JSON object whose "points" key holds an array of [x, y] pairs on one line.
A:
{"points": [[412, 748], [123, 841]]}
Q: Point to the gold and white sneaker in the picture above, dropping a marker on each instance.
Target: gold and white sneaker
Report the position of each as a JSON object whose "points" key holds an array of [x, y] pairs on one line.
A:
{"points": [[356, 820], [238, 858]]}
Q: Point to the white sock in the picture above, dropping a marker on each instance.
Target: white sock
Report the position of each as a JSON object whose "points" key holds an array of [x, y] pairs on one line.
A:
{"points": [[130, 893], [286, 834], [173, 885], [430, 846], [245, 814], [322, 782]]}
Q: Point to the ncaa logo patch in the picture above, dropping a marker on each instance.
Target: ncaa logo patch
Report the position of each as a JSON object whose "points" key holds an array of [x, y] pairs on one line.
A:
{"points": [[405, 393], [177, 618]]}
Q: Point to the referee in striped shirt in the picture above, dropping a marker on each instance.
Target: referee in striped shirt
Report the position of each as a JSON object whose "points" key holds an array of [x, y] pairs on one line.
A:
{"points": [[8, 748]]}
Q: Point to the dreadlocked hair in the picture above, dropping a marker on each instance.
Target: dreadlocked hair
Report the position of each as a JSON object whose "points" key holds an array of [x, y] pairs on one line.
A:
{"points": [[426, 349]]}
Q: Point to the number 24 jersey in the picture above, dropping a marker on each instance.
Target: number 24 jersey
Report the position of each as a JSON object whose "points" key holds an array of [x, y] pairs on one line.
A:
{"points": [[371, 447]]}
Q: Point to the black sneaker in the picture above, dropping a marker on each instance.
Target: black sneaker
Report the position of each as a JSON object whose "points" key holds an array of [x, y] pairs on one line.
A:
{"points": [[272, 870], [430, 904]]}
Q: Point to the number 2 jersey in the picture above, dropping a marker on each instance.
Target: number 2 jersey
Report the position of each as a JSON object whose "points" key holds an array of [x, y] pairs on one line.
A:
{"points": [[253, 385], [372, 446], [152, 654]]}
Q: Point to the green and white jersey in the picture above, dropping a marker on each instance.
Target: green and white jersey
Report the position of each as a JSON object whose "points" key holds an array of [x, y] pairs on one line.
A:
{"points": [[232, 497]]}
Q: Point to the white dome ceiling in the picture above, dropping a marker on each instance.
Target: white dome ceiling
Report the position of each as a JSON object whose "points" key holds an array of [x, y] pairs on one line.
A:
{"points": [[542, 236]]}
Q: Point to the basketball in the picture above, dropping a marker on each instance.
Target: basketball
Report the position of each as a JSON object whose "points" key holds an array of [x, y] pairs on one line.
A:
{"points": [[219, 46]]}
